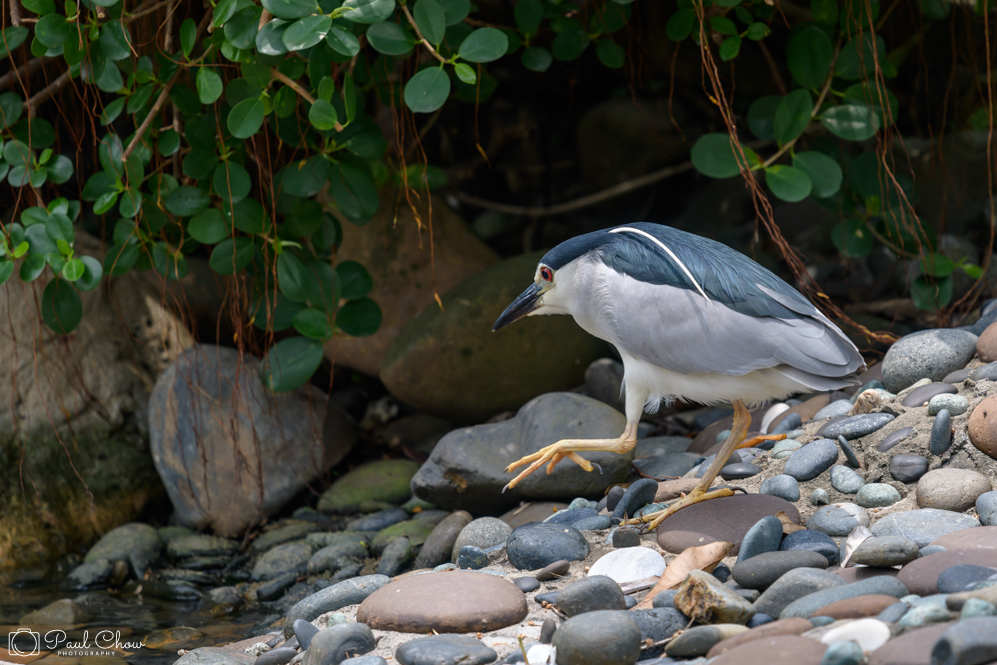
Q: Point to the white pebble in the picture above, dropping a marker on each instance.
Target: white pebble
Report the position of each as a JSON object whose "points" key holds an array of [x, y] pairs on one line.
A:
{"points": [[870, 634], [629, 564]]}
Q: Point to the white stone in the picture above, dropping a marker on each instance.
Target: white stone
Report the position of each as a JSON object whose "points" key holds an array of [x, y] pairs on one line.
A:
{"points": [[774, 412], [870, 634], [629, 564], [539, 654]]}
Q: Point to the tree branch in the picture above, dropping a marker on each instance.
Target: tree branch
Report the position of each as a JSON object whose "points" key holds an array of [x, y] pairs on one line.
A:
{"points": [[15, 12], [46, 92], [418, 34], [27, 69]]}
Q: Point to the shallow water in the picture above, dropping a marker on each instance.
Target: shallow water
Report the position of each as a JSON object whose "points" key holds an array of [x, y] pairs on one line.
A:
{"points": [[121, 625]]}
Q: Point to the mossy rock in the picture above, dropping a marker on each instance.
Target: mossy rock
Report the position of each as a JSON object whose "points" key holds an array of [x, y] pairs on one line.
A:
{"points": [[449, 362], [381, 481]]}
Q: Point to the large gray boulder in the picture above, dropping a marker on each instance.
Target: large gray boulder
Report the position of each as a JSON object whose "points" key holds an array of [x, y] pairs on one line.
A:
{"points": [[467, 467], [928, 354], [449, 362], [228, 450]]}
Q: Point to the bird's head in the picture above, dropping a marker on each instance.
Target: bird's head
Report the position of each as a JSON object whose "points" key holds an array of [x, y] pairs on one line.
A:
{"points": [[541, 297]]}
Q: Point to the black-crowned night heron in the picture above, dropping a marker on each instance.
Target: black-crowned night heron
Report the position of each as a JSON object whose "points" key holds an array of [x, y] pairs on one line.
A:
{"points": [[691, 318]]}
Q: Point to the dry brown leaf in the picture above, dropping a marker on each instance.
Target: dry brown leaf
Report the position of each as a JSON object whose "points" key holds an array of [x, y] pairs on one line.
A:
{"points": [[704, 557], [788, 525]]}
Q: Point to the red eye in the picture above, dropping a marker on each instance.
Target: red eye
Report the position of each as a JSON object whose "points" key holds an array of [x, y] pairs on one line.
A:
{"points": [[547, 274]]}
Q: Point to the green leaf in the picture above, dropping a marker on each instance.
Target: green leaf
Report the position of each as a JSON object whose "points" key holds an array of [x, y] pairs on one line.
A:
{"points": [[933, 294], [730, 48], [115, 40], [570, 44], [825, 13], [937, 265], [390, 38], [312, 323], [120, 258], [758, 31], [354, 280], [73, 270], [290, 9], [609, 53], [712, 155], [171, 265], [824, 172], [231, 181], [788, 183], [6, 270], [431, 19], [761, 117], [168, 142], [852, 122], [290, 363], [354, 191], [428, 90], [11, 107], [528, 14], [852, 239], [455, 11], [105, 202], [32, 267], [465, 73], [248, 216], [209, 85], [537, 59], [40, 7], [52, 30], [359, 318], [680, 24], [368, 11], [342, 42], [17, 153], [274, 312], [723, 25], [808, 56], [241, 30], [232, 255], [61, 306], [792, 116], [484, 45], [323, 115], [861, 93], [246, 118], [91, 274], [10, 38], [431, 177], [294, 277], [307, 177], [60, 169], [270, 39], [857, 60], [208, 226], [188, 32], [186, 201], [112, 111], [306, 32]]}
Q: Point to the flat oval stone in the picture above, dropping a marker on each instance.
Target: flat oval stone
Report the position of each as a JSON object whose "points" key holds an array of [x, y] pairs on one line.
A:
{"points": [[986, 373], [963, 577], [769, 629], [793, 585], [838, 519], [921, 575], [846, 480], [785, 448], [983, 426], [835, 409], [930, 353], [922, 395], [598, 638], [893, 438], [589, 595], [339, 642], [951, 489], [885, 551], [811, 541], [913, 648], [954, 404], [452, 601], [777, 649], [923, 525], [724, 519], [553, 571], [812, 459], [807, 605], [638, 495], [983, 537], [629, 564], [941, 433], [869, 634], [332, 598], [445, 650], [569, 516], [783, 486], [535, 545], [698, 640], [908, 468], [857, 608], [761, 571], [855, 427], [764, 536], [968, 641], [739, 471], [527, 584], [877, 495]]}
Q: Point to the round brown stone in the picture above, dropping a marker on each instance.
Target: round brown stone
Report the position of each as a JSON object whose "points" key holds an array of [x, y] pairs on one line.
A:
{"points": [[977, 537], [779, 649], [913, 648], [983, 426], [859, 573], [986, 345], [725, 519], [951, 489], [856, 608], [920, 576], [445, 602], [794, 626]]}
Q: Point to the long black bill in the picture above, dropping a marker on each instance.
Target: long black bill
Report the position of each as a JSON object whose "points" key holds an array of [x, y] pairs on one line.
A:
{"points": [[520, 307]]}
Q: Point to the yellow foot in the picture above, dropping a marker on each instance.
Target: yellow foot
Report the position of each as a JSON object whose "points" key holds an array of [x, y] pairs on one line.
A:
{"points": [[695, 496], [567, 448], [755, 440]]}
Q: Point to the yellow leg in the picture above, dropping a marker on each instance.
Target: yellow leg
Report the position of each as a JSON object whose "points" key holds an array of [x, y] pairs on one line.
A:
{"points": [[742, 418], [555, 452], [755, 440]]}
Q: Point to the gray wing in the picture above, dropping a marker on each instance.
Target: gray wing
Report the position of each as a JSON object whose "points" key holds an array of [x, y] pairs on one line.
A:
{"points": [[680, 330]]}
